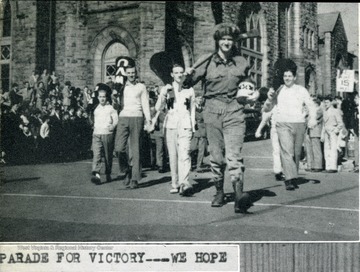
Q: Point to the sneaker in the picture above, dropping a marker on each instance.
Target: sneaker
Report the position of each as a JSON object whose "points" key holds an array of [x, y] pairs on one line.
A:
{"points": [[96, 179], [174, 190]]}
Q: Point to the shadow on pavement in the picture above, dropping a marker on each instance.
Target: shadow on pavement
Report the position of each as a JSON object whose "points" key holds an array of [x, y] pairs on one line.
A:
{"points": [[255, 195], [201, 184], [20, 179], [155, 182], [301, 180]]}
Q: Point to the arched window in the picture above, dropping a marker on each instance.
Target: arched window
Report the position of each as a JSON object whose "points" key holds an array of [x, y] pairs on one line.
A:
{"points": [[113, 51], [313, 41], [251, 48], [7, 19], [305, 37], [309, 39]]}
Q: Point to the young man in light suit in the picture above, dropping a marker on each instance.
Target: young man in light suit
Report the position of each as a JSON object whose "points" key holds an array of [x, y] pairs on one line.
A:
{"points": [[314, 156], [333, 124]]}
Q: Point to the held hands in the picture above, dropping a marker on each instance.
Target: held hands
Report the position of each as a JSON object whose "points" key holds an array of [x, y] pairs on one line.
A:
{"points": [[166, 89], [258, 134], [149, 127]]}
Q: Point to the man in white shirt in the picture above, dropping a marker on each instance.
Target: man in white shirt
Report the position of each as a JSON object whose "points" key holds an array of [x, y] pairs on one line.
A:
{"points": [[105, 121], [291, 125], [179, 127], [131, 124]]}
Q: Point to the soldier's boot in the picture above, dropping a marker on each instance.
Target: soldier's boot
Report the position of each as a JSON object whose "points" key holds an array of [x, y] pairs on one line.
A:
{"points": [[242, 200], [218, 200]]}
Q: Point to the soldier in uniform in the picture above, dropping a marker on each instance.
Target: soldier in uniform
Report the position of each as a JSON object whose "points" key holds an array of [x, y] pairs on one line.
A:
{"points": [[223, 114]]}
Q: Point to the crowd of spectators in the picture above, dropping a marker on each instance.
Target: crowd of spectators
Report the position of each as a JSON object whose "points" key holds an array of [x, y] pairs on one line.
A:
{"points": [[45, 121], [344, 145]]}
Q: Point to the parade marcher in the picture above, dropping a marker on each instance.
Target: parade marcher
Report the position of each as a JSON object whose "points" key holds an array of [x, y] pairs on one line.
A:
{"points": [[200, 138], [179, 127], [105, 121], [157, 138], [333, 124], [223, 114], [271, 117], [130, 127], [314, 156], [290, 100]]}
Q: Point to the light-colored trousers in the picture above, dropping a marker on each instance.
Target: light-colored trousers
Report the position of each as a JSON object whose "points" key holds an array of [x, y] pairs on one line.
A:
{"points": [[291, 138], [356, 151], [102, 142], [314, 156], [275, 150], [178, 144], [330, 150]]}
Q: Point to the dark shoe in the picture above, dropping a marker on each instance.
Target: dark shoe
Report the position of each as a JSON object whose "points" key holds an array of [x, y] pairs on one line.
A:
{"points": [[288, 185], [316, 170], [329, 171], [280, 176], [294, 183], [185, 190], [96, 179], [134, 184], [242, 200]]}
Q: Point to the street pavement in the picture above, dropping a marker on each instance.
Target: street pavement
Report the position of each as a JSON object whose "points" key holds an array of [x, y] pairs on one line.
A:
{"points": [[58, 203]]}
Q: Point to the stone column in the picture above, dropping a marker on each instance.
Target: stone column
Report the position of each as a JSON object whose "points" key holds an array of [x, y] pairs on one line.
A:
{"points": [[152, 37], [297, 52]]}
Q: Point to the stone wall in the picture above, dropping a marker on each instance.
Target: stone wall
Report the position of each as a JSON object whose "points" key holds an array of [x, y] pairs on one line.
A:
{"points": [[76, 32], [152, 38], [23, 49]]}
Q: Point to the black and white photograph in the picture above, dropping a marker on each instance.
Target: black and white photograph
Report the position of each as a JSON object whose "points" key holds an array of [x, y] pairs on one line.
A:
{"points": [[180, 123]]}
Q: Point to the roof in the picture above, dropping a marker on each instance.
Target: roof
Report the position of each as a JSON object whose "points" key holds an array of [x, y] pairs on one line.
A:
{"points": [[327, 22]]}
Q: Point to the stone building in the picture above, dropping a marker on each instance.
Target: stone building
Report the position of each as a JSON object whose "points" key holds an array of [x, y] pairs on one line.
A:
{"points": [[333, 52], [81, 39]]}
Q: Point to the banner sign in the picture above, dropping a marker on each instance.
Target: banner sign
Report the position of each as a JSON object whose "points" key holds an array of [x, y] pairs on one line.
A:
{"points": [[345, 80], [107, 257]]}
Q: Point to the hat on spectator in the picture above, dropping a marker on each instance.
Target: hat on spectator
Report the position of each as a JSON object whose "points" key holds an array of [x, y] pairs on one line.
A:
{"points": [[68, 83]]}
